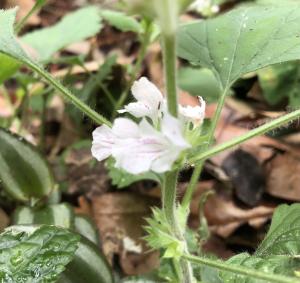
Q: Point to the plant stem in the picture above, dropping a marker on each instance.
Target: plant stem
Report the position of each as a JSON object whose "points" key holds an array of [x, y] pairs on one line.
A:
{"points": [[169, 50], [251, 134], [185, 273], [187, 198], [198, 169], [38, 5], [68, 94], [170, 182], [137, 67], [275, 278]]}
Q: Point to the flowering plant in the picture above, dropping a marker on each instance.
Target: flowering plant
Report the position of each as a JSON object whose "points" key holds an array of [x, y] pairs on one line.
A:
{"points": [[156, 142], [156, 134]]}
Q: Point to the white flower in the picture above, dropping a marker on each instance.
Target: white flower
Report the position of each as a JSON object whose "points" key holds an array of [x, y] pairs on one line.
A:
{"points": [[139, 148], [195, 114], [203, 6], [149, 100]]}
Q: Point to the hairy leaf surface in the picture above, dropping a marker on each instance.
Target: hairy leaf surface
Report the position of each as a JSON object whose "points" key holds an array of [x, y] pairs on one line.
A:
{"points": [[35, 254], [243, 40]]}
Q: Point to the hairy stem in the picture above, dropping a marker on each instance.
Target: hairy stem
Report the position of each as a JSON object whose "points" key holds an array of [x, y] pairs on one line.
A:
{"points": [[38, 5], [249, 135], [137, 67], [68, 94], [198, 169], [169, 50], [185, 273], [274, 278]]}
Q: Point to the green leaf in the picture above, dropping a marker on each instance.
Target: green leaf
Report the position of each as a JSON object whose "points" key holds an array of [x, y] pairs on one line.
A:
{"points": [[8, 67], [122, 179], [160, 236], [10, 46], [121, 21], [242, 41], [61, 215], [279, 251], [86, 227], [283, 235], [74, 27], [272, 264], [88, 266], [24, 173], [8, 43], [35, 254], [199, 81], [281, 81]]}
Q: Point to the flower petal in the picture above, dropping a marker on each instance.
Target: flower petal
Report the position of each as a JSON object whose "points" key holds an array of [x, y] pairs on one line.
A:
{"points": [[125, 128], [144, 90], [194, 114], [103, 142], [138, 109], [172, 129], [164, 163]]}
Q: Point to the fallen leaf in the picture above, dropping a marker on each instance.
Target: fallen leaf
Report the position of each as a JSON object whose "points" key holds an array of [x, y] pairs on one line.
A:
{"points": [[121, 216], [224, 216], [283, 180]]}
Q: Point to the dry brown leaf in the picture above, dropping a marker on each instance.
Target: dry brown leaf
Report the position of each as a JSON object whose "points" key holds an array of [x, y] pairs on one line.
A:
{"points": [[6, 109], [260, 146], [283, 179], [119, 216], [224, 216], [4, 220]]}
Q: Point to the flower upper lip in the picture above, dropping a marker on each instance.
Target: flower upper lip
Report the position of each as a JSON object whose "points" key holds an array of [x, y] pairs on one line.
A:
{"points": [[141, 147]]}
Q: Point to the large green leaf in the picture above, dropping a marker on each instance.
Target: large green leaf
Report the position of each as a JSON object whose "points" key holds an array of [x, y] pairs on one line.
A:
{"points": [[35, 254], [199, 81], [281, 81], [8, 67], [243, 40], [77, 26], [8, 42], [88, 266], [24, 173]]}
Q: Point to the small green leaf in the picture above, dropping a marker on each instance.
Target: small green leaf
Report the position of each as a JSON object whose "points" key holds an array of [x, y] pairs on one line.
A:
{"points": [[242, 41], [122, 179], [74, 27], [121, 21], [24, 173], [279, 251], [200, 82], [35, 254], [281, 81], [160, 236], [271, 264]]}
